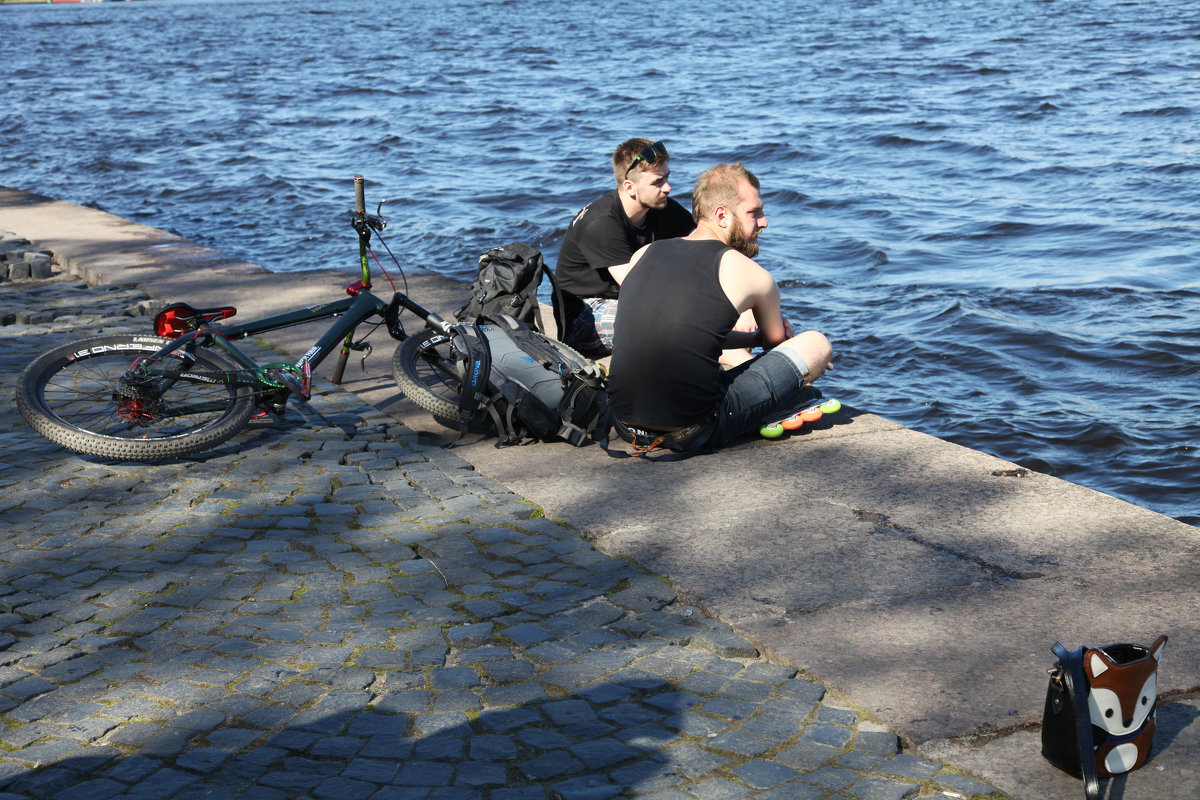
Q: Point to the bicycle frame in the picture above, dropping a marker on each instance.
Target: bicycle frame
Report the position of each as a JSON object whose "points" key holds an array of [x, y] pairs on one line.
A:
{"points": [[350, 312], [190, 327]]}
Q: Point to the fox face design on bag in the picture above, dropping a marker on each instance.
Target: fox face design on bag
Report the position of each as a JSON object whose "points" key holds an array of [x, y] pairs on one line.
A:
{"points": [[1124, 688], [1100, 706]]}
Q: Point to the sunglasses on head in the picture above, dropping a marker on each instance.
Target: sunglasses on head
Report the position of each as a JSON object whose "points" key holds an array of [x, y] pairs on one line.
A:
{"points": [[649, 155]]}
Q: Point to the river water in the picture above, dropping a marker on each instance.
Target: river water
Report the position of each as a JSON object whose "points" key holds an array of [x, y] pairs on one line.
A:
{"points": [[991, 206]]}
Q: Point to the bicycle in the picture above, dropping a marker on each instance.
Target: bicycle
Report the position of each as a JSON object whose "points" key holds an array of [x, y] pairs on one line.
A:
{"points": [[188, 388]]}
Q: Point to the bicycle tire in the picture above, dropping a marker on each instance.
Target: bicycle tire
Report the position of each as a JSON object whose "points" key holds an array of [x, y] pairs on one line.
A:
{"points": [[426, 373], [69, 396]]}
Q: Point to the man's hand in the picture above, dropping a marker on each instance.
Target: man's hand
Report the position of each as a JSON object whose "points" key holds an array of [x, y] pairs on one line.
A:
{"points": [[746, 322]]}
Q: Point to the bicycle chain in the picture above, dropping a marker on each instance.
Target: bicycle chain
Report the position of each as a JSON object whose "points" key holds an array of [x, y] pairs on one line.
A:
{"points": [[128, 387]]}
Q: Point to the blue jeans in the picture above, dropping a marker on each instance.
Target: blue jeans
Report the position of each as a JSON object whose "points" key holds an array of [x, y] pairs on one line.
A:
{"points": [[770, 384]]}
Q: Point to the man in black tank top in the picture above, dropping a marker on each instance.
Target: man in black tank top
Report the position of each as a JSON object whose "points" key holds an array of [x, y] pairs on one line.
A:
{"points": [[680, 301]]}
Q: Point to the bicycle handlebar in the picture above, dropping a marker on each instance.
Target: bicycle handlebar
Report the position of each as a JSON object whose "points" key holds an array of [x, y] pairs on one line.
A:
{"points": [[359, 218]]}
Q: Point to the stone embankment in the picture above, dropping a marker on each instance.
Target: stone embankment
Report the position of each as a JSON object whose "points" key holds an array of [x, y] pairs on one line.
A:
{"points": [[920, 582], [328, 607], [35, 290]]}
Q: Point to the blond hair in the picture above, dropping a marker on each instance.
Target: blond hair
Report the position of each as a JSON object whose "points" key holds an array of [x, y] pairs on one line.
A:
{"points": [[718, 187]]}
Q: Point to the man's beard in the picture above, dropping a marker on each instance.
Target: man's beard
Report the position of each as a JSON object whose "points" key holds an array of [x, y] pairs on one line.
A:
{"points": [[659, 203], [744, 243]]}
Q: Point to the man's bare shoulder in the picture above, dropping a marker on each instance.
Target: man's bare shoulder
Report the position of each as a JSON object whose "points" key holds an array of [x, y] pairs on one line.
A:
{"points": [[740, 266]]}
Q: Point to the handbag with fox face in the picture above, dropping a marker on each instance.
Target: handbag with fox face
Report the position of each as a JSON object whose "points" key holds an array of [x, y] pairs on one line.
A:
{"points": [[1123, 691], [1115, 689]]}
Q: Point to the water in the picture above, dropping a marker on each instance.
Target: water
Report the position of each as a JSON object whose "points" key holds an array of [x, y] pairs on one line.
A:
{"points": [[991, 206]]}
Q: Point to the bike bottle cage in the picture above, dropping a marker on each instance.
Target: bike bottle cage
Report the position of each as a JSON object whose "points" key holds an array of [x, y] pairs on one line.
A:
{"points": [[180, 318]]}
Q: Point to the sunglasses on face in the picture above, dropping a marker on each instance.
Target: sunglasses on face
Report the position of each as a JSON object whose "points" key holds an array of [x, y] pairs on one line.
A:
{"points": [[649, 155]]}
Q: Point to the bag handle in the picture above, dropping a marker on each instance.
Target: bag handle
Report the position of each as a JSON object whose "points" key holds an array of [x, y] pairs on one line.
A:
{"points": [[1077, 690]]}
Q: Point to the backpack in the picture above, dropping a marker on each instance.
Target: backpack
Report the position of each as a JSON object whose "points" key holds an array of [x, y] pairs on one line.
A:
{"points": [[531, 386], [506, 283]]}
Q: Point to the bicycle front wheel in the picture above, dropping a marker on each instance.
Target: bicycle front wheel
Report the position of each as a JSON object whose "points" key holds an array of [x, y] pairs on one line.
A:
{"points": [[427, 373], [75, 397]]}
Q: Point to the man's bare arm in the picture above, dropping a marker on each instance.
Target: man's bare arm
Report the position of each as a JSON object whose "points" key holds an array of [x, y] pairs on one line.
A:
{"points": [[619, 271]]}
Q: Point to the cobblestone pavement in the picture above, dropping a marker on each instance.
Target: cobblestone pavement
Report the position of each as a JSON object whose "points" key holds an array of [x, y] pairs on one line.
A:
{"points": [[325, 608]]}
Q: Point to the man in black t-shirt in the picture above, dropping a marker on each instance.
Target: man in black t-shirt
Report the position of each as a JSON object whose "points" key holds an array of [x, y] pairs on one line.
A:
{"points": [[606, 233]]}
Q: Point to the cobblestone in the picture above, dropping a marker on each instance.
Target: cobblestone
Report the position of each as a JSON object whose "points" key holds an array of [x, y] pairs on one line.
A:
{"points": [[288, 617]]}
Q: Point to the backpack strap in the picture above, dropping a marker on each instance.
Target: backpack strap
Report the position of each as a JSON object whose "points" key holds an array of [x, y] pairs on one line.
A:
{"points": [[1077, 690], [556, 306], [469, 340], [538, 323], [594, 427], [478, 392]]}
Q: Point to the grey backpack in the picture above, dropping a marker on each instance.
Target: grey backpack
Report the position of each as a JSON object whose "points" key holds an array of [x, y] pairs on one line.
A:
{"points": [[529, 385]]}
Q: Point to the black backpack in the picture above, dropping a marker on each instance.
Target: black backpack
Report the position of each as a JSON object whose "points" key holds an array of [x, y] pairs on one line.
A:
{"points": [[507, 284], [530, 386]]}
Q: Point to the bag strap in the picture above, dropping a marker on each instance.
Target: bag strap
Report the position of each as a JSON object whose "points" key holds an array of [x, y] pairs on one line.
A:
{"points": [[1077, 690], [469, 339], [539, 324], [556, 305], [594, 428]]}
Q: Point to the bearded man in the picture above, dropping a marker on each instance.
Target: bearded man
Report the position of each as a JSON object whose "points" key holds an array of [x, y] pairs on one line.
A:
{"points": [[681, 300]]}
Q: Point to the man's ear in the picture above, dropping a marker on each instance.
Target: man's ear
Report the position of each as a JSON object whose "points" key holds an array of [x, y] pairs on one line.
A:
{"points": [[721, 216]]}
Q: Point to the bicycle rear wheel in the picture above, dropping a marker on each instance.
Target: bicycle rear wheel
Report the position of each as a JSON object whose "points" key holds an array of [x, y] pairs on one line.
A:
{"points": [[427, 373], [74, 396]]}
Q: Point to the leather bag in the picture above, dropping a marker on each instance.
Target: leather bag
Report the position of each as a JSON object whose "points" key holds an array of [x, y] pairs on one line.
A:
{"points": [[1100, 708]]}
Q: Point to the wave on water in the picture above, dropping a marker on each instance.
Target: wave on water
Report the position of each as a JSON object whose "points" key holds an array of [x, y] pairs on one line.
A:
{"points": [[1170, 111]]}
